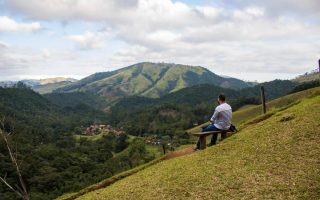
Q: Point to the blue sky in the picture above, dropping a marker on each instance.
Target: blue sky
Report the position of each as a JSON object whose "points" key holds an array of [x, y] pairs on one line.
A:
{"points": [[247, 39]]}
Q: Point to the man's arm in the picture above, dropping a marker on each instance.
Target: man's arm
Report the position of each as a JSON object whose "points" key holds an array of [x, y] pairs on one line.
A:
{"points": [[214, 116]]}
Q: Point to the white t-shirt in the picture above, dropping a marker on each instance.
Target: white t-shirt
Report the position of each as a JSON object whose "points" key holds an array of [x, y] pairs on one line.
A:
{"points": [[222, 116]]}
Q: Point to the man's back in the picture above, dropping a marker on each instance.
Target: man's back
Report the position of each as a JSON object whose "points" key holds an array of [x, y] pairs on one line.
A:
{"points": [[222, 116]]}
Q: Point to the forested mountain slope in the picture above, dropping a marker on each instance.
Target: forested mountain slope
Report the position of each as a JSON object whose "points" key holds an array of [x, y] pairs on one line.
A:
{"points": [[149, 80]]}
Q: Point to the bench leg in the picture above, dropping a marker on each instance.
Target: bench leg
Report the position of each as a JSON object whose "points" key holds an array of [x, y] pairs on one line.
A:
{"points": [[203, 142], [223, 136]]}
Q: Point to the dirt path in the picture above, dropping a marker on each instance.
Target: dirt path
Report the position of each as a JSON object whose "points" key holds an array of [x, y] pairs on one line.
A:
{"points": [[179, 153]]}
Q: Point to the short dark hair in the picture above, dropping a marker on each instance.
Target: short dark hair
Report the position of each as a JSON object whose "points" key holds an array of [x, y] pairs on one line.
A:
{"points": [[222, 97]]}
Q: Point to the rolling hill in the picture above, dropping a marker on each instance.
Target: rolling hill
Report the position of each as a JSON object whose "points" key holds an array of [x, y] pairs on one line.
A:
{"points": [[275, 157], [22, 107], [307, 77], [42, 86], [50, 87], [149, 80]]}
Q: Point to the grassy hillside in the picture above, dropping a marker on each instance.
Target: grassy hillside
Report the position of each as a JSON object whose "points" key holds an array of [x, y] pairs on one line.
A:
{"points": [[252, 111], [35, 82], [277, 158], [150, 80], [50, 87]]}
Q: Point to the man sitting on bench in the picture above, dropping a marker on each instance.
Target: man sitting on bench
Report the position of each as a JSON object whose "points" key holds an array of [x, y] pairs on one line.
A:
{"points": [[220, 120]]}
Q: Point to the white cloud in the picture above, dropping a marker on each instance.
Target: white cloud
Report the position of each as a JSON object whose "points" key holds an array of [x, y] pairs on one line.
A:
{"points": [[10, 25], [17, 61], [46, 53], [276, 36], [89, 40], [303, 8], [66, 10], [3, 45]]}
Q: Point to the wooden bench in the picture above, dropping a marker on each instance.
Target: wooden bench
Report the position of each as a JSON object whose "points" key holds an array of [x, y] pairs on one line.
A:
{"points": [[202, 136]]}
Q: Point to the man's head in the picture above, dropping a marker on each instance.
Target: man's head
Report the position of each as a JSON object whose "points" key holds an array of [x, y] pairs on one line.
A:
{"points": [[221, 98]]}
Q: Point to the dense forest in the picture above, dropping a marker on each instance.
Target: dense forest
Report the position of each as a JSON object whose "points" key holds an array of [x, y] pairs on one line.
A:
{"points": [[52, 161]]}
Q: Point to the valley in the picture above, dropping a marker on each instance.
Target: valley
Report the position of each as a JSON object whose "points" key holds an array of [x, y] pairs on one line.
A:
{"points": [[78, 134]]}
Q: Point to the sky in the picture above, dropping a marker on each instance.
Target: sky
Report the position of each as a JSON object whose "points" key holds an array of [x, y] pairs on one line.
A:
{"points": [[247, 39]]}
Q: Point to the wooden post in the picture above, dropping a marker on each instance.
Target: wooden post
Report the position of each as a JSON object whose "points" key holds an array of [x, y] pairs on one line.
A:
{"points": [[164, 148], [263, 99], [203, 142], [319, 68]]}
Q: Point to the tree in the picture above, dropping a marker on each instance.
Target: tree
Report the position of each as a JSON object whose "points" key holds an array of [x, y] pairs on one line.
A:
{"points": [[20, 84], [20, 188]]}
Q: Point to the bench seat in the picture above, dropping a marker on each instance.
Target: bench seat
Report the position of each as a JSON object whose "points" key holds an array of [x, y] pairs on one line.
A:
{"points": [[202, 136]]}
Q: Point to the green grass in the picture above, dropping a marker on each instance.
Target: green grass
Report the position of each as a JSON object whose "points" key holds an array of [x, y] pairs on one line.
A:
{"points": [[108, 180], [90, 138], [246, 107], [156, 150], [242, 115], [50, 87], [273, 158]]}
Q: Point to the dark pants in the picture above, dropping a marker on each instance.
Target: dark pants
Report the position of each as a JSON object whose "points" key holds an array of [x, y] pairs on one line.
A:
{"points": [[214, 137]]}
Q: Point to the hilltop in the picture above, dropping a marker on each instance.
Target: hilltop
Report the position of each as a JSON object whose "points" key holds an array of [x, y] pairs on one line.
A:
{"points": [[275, 157], [149, 80]]}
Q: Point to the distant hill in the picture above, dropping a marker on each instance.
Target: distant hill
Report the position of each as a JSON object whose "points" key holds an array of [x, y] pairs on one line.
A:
{"points": [[23, 106], [149, 80], [35, 82], [50, 87], [313, 76], [42, 86], [274, 89]]}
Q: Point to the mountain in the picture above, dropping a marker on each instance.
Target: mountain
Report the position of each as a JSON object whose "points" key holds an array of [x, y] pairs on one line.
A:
{"points": [[35, 82], [7, 83], [150, 80], [42, 86], [50, 87]]}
